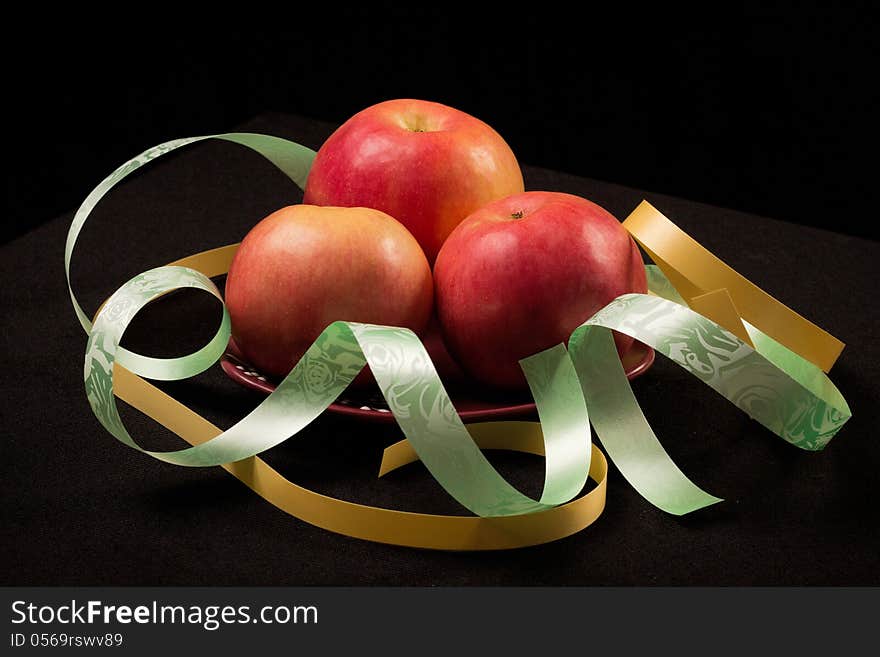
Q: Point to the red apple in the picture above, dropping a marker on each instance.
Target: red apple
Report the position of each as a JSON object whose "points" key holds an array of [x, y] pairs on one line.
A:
{"points": [[427, 165], [303, 267], [520, 274]]}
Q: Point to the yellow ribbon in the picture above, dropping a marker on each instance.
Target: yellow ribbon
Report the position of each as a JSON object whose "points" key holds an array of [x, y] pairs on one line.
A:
{"points": [[386, 525], [715, 290]]}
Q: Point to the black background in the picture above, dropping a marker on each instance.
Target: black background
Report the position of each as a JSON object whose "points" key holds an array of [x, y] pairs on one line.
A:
{"points": [[766, 110], [79, 508]]}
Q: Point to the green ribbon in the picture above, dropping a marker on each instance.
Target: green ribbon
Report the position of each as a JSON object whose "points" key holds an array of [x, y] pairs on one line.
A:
{"points": [[291, 158], [778, 388], [408, 381]]}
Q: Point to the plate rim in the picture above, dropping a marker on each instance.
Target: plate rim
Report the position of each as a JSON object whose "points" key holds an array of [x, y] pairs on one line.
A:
{"points": [[236, 372]]}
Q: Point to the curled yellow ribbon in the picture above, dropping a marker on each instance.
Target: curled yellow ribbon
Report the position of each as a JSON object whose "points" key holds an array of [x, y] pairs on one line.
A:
{"points": [[715, 290], [372, 523]]}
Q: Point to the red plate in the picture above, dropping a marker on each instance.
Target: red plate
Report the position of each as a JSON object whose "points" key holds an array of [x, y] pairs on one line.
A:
{"points": [[473, 403]]}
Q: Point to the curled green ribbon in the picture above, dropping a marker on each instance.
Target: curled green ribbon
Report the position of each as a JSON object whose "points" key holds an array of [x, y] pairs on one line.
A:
{"points": [[291, 158], [408, 381], [781, 390], [787, 394]]}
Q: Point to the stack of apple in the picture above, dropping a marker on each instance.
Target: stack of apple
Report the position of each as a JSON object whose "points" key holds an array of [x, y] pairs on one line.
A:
{"points": [[407, 185]]}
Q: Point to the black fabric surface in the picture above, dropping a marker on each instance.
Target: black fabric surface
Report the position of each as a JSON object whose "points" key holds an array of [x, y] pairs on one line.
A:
{"points": [[80, 508]]}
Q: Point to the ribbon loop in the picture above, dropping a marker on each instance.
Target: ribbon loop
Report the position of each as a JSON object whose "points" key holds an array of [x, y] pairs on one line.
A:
{"points": [[292, 159]]}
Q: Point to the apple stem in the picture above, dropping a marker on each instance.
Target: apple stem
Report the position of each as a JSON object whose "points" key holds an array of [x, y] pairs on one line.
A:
{"points": [[517, 215]]}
